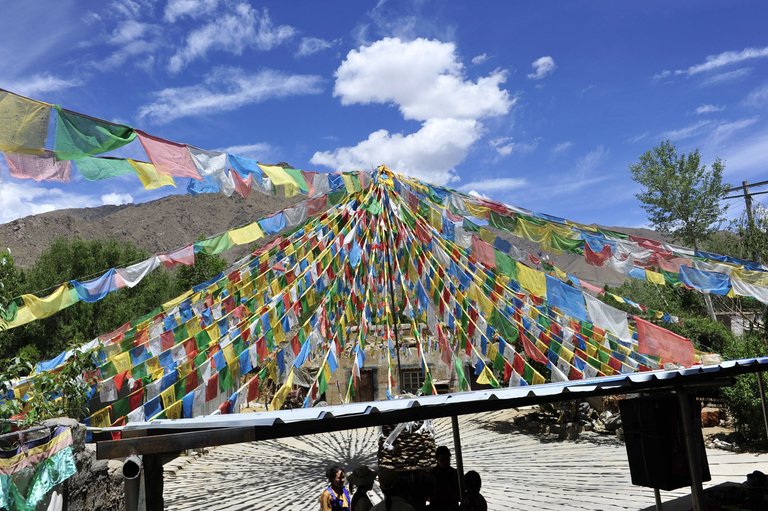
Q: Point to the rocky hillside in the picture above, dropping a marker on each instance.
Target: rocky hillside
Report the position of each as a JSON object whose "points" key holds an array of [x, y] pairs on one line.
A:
{"points": [[178, 220]]}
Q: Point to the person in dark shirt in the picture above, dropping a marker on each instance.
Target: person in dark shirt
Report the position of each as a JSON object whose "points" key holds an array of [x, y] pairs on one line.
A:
{"points": [[472, 500], [445, 495]]}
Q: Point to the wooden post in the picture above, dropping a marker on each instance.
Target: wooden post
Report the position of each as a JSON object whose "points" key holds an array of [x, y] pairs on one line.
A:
{"points": [[692, 450], [457, 449], [395, 319], [657, 496]]}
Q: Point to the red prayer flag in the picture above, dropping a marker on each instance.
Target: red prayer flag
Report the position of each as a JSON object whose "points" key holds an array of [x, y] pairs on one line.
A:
{"points": [[660, 342], [596, 258], [518, 364], [532, 351], [167, 340], [253, 389], [212, 387]]}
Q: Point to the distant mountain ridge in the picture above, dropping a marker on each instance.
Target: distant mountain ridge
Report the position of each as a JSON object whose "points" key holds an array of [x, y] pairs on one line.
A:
{"points": [[178, 220]]}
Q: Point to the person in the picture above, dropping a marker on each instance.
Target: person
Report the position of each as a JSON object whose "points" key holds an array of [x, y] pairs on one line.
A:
{"points": [[394, 493], [472, 500], [362, 477], [445, 492], [335, 497]]}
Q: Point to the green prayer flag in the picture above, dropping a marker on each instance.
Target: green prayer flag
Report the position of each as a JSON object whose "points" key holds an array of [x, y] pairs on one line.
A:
{"points": [[463, 383], [180, 334], [139, 371], [96, 169], [426, 389], [298, 177], [225, 379], [78, 136], [215, 245], [202, 339], [505, 265], [498, 363], [120, 408], [503, 326], [322, 385], [506, 223], [528, 373]]}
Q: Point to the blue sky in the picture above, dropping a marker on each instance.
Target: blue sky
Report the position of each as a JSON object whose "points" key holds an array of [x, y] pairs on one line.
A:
{"points": [[537, 104]]}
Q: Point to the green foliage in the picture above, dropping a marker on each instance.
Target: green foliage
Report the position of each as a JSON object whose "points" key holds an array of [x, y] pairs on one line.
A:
{"points": [[677, 301], [60, 393], [743, 399], [706, 335], [206, 267], [681, 196]]}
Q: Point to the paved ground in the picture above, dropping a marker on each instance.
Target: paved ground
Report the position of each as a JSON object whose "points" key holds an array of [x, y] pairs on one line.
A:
{"points": [[519, 472]]}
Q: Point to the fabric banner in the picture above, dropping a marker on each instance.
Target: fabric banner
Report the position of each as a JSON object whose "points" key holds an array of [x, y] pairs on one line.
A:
{"points": [[60, 299], [608, 318], [43, 167], [168, 157], [660, 342], [78, 136], [97, 169], [566, 298], [744, 289], [532, 280], [247, 234], [705, 281], [280, 177], [483, 252], [212, 166], [185, 256], [133, 274], [149, 176], [23, 124], [96, 289]]}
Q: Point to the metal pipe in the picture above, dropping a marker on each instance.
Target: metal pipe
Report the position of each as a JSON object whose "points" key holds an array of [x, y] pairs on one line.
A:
{"points": [[692, 450], [657, 495], [132, 467], [457, 448]]}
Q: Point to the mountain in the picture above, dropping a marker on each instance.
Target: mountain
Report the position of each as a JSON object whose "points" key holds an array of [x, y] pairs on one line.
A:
{"points": [[158, 226], [175, 221]]}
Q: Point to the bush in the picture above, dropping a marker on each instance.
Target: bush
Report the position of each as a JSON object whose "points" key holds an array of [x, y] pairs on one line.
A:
{"points": [[706, 335], [743, 398]]}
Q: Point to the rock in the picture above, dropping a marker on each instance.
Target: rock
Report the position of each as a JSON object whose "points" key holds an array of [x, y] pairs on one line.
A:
{"points": [[710, 417], [612, 423]]}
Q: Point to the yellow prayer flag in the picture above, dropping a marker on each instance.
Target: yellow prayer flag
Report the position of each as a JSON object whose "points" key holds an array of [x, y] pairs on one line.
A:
{"points": [[152, 365], [487, 236], [492, 351], [25, 124], [170, 304], [150, 177], [168, 397], [101, 418], [279, 176], [247, 234], [213, 331], [486, 377], [63, 297], [185, 368], [282, 393], [532, 280], [591, 350], [122, 362], [654, 277], [477, 210], [537, 378], [174, 411], [193, 326], [229, 354], [566, 354], [275, 287]]}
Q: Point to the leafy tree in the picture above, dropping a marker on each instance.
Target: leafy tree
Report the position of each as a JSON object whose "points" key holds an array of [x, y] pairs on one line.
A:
{"points": [[205, 268], [742, 399], [10, 280], [681, 196], [78, 259]]}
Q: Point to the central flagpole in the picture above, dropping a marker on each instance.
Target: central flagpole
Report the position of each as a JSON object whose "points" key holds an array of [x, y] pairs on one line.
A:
{"points": [[392, 304]]}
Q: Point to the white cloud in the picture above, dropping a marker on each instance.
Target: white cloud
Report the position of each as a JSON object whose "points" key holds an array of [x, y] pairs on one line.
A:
{"points": [[430, 154], [725, 59], [687, 131], [424, 78], [724, 131], [23, 199], [588, 163], [192, 8], [714, 62], [562, 147], [727, 77], [709, 109], [259, 150], [542, 67], [479, 59], [116, 199], [475, 193], [233, 32], [747, 157], [430, 87], [758, 97], [637, 138], [227, 89], [38, 84], [505, 146], [128, 31], [501, 184], [311, 45]]}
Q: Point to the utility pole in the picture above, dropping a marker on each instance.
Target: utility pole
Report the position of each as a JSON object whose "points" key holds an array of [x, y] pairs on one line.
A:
{"points": [[745, 186]]}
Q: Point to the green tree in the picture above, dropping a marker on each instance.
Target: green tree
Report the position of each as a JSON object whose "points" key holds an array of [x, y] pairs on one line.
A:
{"points": [[681, 196], [77, 259], [206, 267]]}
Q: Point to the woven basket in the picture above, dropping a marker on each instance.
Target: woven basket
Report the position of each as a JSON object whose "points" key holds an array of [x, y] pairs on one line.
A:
{"points": [[411, 451]]}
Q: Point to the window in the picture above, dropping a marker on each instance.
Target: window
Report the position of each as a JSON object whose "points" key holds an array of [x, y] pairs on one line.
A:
{"points": [[411, 380]]}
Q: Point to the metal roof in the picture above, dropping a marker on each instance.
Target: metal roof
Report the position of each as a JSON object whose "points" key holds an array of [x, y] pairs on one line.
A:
{"points": [[210, 430]]}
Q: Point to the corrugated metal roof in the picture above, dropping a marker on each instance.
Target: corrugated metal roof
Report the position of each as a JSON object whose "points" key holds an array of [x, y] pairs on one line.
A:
{"points": [[459, 403]]}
